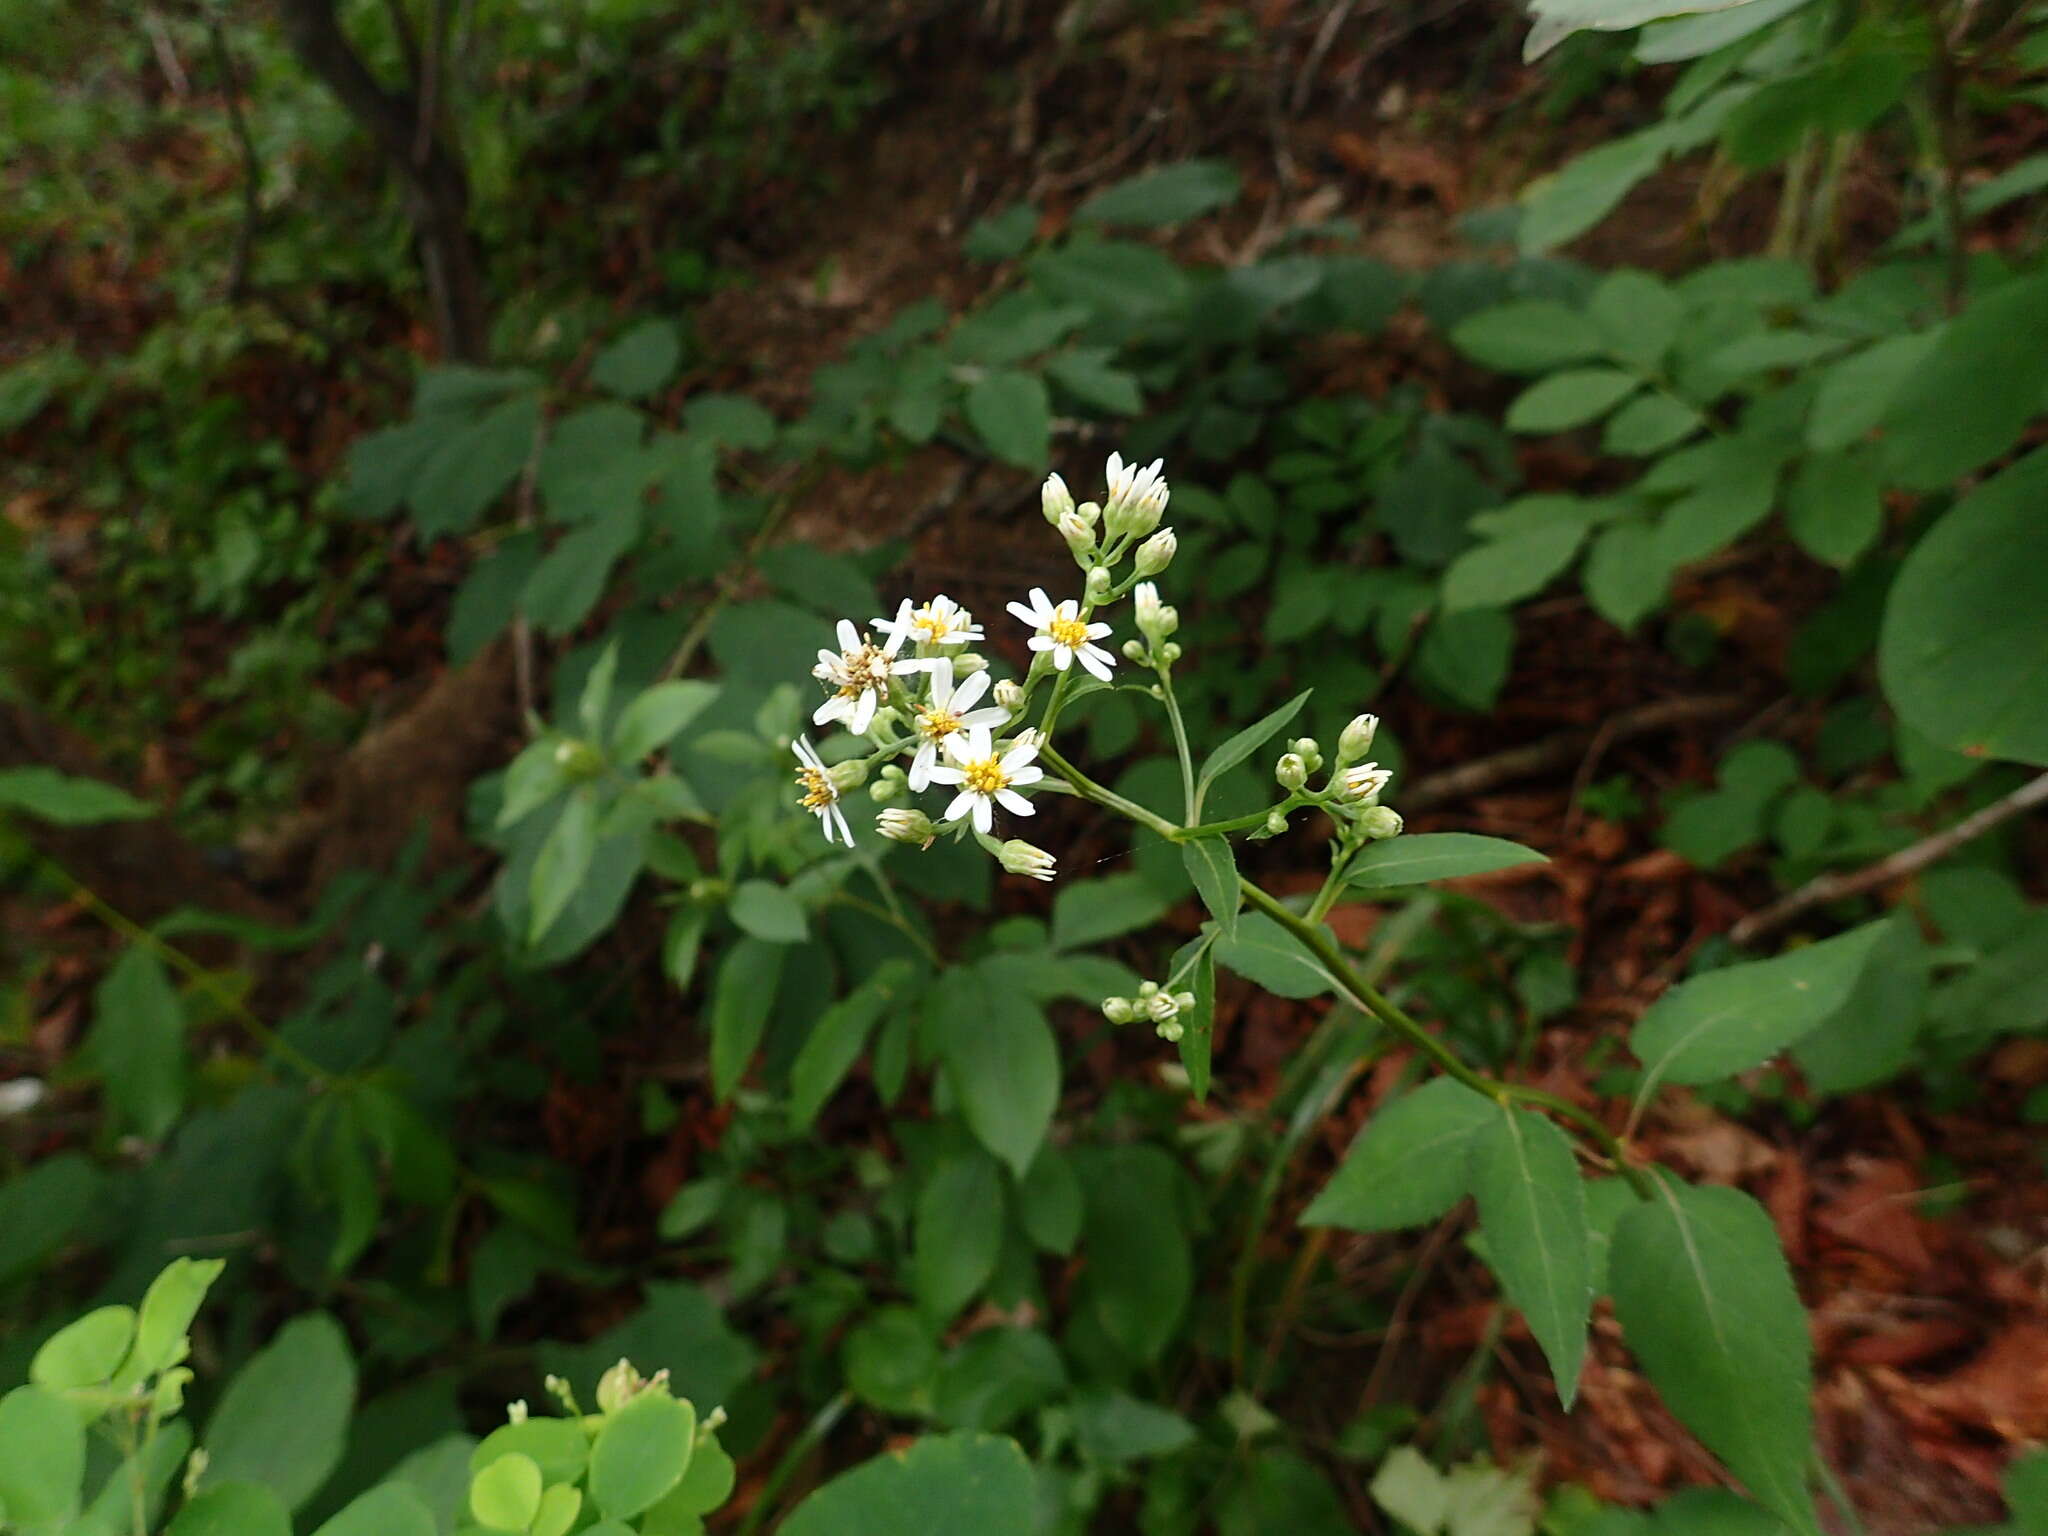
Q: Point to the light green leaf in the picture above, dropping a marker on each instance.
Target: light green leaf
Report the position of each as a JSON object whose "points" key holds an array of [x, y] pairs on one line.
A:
{"points": [[1011, 413], [66, 800], [1870, 1037], [769, 912], [233, 1509], [1855, 393], [1419, 857], [1650, 424], [1212, 867], [1556, 20], [1507, 570], [42, 1458], [167, 1311], [505, 1494], [954, 1483], [1533, 336], [1964, 648], [1626, 574], [563, 862], [957, 1233], [639, 362], [1086, 373], [1532, 1212], [1411, 1490], [641, 1453], [1172, 194], [1637, 316], [1976, 392], [1410, 1163], [86, 1351], [558, 1445], [1708, 1307], [1264, 952], [1245, 743], [1570, 399], [652, 720], [1834, 507], [1730, 1020], [740, 1001], [1707, 520], [390, 1509], [1001, 1060], [1563, 206], [1087, 912], [138, 1043], [283, 1420], [835, 1041]]}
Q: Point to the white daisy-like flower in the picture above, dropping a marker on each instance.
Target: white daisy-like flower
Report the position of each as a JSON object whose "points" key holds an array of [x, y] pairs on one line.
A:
{"points": [[941, 622], [1063, 631], [821, 795], [985, 779], [1363, 782], [1136, 496], [859, 673], [947, 712]]}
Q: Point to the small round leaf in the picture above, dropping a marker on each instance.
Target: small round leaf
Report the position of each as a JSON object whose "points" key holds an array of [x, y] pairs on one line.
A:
{"points": [[641, 1453]]}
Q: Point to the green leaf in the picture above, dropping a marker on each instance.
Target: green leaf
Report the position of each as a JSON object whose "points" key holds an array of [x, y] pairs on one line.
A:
{"points": [[1533, 336], [1964, 647], [1264, 952], [1650, 424], [1556, 20], [1707, 520], [1085, 372], [1049, 1201], [1409, 1165], [1212, 867], [40, 1210], [1117, 1427], [167, 1311], [1140, 1274], [835, 1041], [999, 236], [889, 1360], [1466, 655], [1637, 316], [639, 362], [1013, 416], [957, 1233], [954, 1483], [472, 465], [1834, 508], [641, 1453], [391, 1509], [86, 1351], [283, 1420], [769, 912], [1730, 1020], [1532, 1212], [559, 1446], [1245, 743], [564, 860], [1419, 857], [1626, 574], [707, 1483], [138, 1043], [652, 720], [1570, 399], [740, 1001], [1087, 912], [1507, 570], [233, 1509], [1871, 1036], [1411, 1490], [1173, 194], [731, 421], [66, 800], [1001, 1060], [505, 1494], [1855, 394], [1563, 206], [42, 1458], [1976, 392], [571, 577], [995, 1376], [1708, 1306], [1198, 1026]]}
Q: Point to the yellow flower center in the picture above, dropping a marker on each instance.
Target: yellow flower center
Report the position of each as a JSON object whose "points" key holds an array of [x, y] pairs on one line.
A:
{"points": [[985, 777], [1072, 633], [933, 625], [867, 670], [818, 790], [934, 724]]}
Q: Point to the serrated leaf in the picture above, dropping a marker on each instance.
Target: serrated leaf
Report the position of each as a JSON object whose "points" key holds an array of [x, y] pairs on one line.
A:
{"points": [[1409, 1165], [1532, 1212], [1213, 868], [1708, 1306], [1419, 857], [1730, 1020]]}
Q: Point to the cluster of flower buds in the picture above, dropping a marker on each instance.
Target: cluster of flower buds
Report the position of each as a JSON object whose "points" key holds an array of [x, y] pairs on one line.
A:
{"points": [[1155, 1003]]}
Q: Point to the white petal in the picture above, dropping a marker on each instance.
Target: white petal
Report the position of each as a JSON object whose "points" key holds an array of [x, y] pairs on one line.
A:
{"points": [[1096, 660], [944, 773], [984, 814], [1042, 604], [1012, 801], [964, 802], [978, 744], [1041, 643], [1031, 773], [1019, 755], [1023, 613], [849, 637], [921, 766], [829, 659], [864, 711], [941, 673], [956, 748], [985, 717], [1062, 657], [961, 699], [830, 710], [1097, 631]]}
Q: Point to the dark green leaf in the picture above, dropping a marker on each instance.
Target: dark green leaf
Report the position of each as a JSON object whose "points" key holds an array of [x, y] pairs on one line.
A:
{"points": [[835, 1041], [1011, 413], [1974, 395], [1087, 912], [1172, 194], [640, 361], [1245, 743], [1419, 857], [1264, 952], [958, 1233], [1533, 336], [1213, 869], [1409, 1165], [138, 1042], [745, 991], [1140, 1274], [1532, 1212], [66, 800], [1001, 1060], [953, 1483]]}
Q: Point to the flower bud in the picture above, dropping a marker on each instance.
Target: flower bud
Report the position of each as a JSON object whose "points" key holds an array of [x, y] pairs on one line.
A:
{"points": [[1054, 499], [1098, 584], [1021, 858], [1309, 750], [1186, 1000], [1276, 823], [905, 825], [1137, 651], [888, 786], [579, 759], [967, 663], [1363, 783], [1357, 738], [1291, 772], [1156, 620], [1157, 552], [1170, 1030], [1009, 694], [622, 1383], [1090, 512], [516, 1411], [1117, 1010], [850, 774], [1162, 1007], [1147, 990], [1380, 821], [1079, 536]]}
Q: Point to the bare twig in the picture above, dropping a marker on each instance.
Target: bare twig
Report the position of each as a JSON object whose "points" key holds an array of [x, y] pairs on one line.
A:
{"points": [[1558, 751], [1319, 49], [252, 163], [1907, 861], [166, 54]]}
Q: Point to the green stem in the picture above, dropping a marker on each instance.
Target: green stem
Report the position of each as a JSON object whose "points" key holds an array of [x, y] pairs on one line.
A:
{"points": [[1236, 823], [1109, 797], [1180, 741], [814, 1432]]}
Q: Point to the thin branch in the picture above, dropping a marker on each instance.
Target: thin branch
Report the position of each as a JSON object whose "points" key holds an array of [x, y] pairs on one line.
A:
{"points": [[252, 163], [1907, 861]]}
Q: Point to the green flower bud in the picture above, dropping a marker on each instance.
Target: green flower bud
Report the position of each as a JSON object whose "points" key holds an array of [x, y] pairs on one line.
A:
{"points": [[850, 774], [1170, 1030], [1118, 1010], [1021, 858], [1291, 772], [1380, 821], [1157, 552], [1310, 751], [1054, 499], [1080, 536], [1357, 738], [1137, 651], [903, 825], [1276, 824], [1009, 694], [579, 759], [1098, 584]]}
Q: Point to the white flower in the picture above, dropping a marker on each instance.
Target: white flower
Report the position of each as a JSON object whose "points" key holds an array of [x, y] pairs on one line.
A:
{"points": [[1063, 631], [859, 673], [821, 795], [949, 711], [1054, 499], [984, 778], [1021, 858], [906, 826], [1157, 552], [1357, 738], [1137, 497], [1363, 782], [939, 622]]}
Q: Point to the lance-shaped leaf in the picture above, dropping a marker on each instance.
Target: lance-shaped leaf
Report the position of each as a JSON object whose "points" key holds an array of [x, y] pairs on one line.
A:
{"points": [[1213, 868], [1426, 856], [1532, 1212], [1409, 1164], [1245, 743]]}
